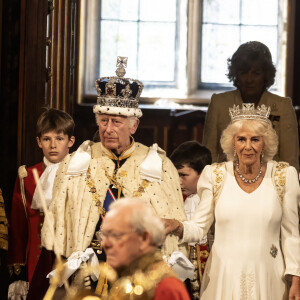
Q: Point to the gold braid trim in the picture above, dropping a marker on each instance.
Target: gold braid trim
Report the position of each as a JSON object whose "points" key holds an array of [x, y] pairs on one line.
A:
{"points": [[141, 189], [218, 180], [22, 172], [95, 196], [3, 225], [15, 268], [139, 280], [280, 179], [4, 242], [141, 285], [113, 180]]}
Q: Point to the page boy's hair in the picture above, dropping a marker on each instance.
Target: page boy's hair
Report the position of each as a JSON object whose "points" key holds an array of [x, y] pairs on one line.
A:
{"points": [[192, 154], [55, 120]]}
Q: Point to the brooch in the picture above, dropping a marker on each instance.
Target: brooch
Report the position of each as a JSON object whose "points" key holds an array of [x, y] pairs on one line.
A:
{"points": [[141, 189], [273, 251], [123, 173]]}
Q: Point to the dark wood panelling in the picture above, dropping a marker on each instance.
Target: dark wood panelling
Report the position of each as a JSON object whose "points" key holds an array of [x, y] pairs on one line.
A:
{"points": [[9, 96], [62, 54], [25, 84], [296, 77], [166, 127], [9, 80], [32, 77], [23, 75]]}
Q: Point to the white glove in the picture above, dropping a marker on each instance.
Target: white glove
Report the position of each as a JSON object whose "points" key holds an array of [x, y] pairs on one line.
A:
{"points": [[181, 265]]}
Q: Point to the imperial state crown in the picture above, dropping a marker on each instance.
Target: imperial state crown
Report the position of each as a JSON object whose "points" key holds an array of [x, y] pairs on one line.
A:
{"points": [[118, 95]]}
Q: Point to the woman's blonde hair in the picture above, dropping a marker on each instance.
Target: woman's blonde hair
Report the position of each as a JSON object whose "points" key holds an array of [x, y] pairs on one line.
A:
{"points": [[260, 128]]}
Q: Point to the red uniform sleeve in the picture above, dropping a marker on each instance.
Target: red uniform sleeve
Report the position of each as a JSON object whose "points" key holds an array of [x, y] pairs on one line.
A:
{"points": [[18, 229], [171, 288], [24, 228]]}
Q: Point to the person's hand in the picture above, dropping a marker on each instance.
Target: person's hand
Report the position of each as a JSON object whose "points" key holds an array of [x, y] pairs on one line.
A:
{"points": [[173, 226], [294, 293]]}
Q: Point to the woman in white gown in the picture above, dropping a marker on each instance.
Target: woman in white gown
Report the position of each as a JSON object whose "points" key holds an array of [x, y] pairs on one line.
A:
{"points": [[254, 202]]}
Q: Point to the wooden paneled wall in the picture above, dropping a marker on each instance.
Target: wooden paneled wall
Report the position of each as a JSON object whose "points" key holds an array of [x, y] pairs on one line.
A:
{"points": [[39, 66], [38, 69], [166, 127]]}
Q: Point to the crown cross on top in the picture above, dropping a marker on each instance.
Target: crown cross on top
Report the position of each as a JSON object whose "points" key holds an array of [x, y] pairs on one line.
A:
{"points": [[248, 112], [121, 65]]}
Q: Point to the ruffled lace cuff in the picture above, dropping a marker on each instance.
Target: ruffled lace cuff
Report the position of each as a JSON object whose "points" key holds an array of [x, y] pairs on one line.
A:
{"points": [[18, 290]]}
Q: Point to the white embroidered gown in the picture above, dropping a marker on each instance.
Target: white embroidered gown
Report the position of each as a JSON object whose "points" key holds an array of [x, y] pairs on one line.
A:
{"points": [[246, 261]]}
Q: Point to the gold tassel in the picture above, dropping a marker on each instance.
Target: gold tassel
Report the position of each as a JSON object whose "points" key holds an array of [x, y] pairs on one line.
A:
{"points": [[199, 261], [101, 287], [105, 288]]}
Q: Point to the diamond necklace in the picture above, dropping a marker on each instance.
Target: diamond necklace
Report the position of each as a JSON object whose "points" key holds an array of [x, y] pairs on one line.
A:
{"points": [[248, 180]]}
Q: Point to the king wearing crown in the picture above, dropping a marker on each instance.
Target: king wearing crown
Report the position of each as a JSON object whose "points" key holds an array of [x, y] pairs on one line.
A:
{"points": [[118, 95], [98, 174]]}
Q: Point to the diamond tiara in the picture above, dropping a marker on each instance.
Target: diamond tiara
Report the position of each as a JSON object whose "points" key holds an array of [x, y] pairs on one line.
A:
{"points": [[248, 112]]}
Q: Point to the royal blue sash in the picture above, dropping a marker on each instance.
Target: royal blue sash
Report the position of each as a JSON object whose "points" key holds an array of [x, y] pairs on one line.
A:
{"points": [[109, 198]]}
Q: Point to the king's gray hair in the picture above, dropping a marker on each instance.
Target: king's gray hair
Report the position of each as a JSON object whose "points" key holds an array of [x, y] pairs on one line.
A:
{"points": [[132, 120]]}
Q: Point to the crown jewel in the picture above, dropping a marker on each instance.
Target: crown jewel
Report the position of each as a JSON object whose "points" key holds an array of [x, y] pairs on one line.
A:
{"points": [[248, 112], [118, 95]]}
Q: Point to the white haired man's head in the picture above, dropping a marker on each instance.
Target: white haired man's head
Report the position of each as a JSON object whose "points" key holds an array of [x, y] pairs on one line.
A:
{"points": [[130, 229]]}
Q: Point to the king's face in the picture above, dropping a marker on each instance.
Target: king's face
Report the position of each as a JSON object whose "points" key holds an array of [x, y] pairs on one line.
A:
{"points": [[115, 132]]}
